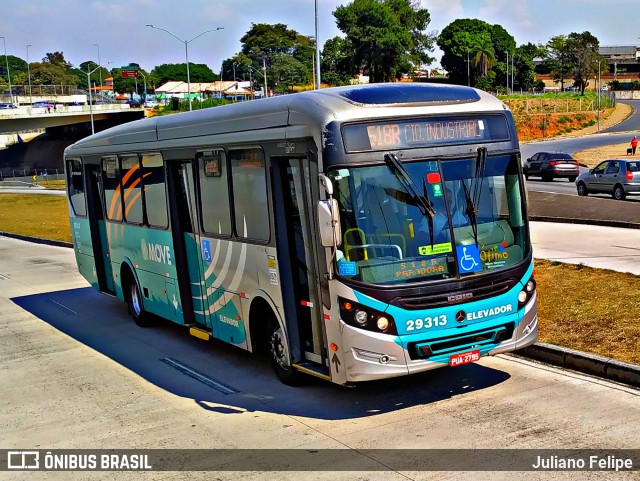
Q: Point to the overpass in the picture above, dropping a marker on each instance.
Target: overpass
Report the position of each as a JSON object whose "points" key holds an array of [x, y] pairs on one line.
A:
{"points": [[22, 119]]}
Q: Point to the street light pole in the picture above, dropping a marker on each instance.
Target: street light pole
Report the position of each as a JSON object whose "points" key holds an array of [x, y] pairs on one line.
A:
{"points": [[318, 83], [599, 96], [468, 70], [186, 52], [8, 72], [29, 71], [264, 69], [89, 72], [99, 64]]}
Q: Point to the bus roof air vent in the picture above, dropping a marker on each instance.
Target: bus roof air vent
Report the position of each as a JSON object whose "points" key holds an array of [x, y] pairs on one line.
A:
{"points": [[404, 93]]}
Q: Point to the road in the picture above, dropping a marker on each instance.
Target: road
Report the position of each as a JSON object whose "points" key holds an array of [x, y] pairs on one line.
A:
{"points": [[77, 373]]}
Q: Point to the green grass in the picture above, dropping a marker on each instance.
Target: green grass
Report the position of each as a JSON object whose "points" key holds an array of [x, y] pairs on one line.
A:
{"points": [[53, 184], [36, 215]]}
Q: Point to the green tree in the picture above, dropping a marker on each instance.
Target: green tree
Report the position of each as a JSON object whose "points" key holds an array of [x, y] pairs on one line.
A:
{"points": [[458, 42], [584, 52], [51, 74], [336, 63], [524, 69], [287, 71], [386, 37], [484, 55], [559, 58], [56, 58]]}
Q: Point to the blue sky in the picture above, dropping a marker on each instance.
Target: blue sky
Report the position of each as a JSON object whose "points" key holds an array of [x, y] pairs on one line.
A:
{"points": [[118, 26]]}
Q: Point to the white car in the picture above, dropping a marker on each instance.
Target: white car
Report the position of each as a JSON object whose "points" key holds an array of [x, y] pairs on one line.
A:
{"points": [[149, 104]]}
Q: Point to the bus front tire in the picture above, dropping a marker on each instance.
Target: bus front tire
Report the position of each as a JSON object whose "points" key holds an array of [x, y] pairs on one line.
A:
{"points": [[280, 357], [134, 303]]}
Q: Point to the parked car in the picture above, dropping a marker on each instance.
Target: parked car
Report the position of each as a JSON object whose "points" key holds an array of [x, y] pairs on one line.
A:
{"points": [[551, 165], [40, 104], [7, 106], [149, 104], [134, 104], [617, 177]]}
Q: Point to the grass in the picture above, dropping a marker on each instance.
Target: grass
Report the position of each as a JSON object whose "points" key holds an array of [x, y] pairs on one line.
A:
{"points": [[53, 184], [36, 215], [582, 308]]}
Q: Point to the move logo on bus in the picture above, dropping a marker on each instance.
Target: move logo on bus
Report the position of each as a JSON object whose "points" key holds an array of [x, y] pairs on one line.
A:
{"points": [[155, 252]]}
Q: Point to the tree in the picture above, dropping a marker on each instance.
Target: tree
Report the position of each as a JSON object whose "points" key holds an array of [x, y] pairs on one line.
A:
{"points": [[51, 74], [584, 51], [559, 59], [56, 58], [336, 62], [458, 42], [287, 71], [386, 37], [484, 55]]}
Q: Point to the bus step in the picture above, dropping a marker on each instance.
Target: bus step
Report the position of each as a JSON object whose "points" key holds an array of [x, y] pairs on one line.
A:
{"points": [[199, 333], [314, 369]]}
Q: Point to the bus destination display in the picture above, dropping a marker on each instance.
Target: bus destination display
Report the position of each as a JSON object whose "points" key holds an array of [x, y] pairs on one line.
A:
{"points": [[423, 133]]}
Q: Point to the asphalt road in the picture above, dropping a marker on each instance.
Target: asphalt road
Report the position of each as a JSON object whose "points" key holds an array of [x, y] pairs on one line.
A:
{"points": [[77, 373]]}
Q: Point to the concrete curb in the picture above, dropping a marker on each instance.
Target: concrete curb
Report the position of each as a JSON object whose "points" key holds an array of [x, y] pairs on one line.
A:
{"points": [[604, 223], [37, 240], [604, 367]]}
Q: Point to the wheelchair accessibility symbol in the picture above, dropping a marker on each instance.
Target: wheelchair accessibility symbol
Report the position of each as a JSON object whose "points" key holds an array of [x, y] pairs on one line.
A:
{"points": [[468, 258], [206, 251]]}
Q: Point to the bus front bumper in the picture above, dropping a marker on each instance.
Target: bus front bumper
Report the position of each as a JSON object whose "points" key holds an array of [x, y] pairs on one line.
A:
{"points": [[384, 357]]}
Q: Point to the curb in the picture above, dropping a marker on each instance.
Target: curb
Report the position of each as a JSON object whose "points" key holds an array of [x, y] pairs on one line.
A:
{"points": [[604, 223], [603, 367], [37, 240]]}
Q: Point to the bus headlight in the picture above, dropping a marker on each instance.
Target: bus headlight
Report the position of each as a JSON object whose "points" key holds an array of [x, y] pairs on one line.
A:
{"points": [[361, 317], [364, 317], [382, 323], [525, 294]]}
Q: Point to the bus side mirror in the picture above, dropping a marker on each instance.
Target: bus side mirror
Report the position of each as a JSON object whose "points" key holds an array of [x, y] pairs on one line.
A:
{"points": [[329, 223]]}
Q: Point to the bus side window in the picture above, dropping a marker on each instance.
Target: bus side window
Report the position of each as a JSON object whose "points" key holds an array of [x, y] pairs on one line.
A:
{"points": [[111, 182], [214, 192], [75, 181], [155, 194], [249, 180], [132, 189]]}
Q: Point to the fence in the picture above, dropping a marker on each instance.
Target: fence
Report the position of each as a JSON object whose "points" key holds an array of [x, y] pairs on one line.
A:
{"points": [[26, 175], [544, 105]]}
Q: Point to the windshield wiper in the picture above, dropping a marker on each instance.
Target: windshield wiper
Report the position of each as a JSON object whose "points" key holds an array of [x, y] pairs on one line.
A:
{"points": [[473, 202], [421, 200]]}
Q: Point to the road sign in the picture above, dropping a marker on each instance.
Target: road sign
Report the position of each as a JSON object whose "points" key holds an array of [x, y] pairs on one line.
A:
{"points": [[129, 74]]}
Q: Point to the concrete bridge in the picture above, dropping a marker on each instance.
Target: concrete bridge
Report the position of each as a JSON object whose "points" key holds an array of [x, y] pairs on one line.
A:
{"points": [[22, 119]]}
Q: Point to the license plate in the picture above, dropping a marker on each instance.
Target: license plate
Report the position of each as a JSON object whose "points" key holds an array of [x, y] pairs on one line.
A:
{"points": [[464, 358]]}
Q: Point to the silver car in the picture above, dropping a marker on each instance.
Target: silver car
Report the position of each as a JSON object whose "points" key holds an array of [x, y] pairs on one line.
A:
{"points": [[617, 177]]}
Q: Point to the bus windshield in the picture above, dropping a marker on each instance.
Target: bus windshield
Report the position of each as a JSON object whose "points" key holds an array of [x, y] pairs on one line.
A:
{"points": [[477, 222]]}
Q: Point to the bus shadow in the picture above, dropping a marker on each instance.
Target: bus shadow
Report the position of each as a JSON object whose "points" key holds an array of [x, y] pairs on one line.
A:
{"points": [[102, 323]]}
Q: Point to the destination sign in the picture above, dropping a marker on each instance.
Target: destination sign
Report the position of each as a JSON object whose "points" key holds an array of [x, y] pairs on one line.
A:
{"points": [[407, 134]]}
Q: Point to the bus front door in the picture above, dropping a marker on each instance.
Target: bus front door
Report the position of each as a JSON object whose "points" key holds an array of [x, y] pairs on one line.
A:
{"points": [[98, 226], [297, 254], [185, 243]]}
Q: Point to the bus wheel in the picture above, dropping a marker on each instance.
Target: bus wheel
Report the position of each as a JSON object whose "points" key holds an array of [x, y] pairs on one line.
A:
{"points": [[134, 302], [280, 357]]}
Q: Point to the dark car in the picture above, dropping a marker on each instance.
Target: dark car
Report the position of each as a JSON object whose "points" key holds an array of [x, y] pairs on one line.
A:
{"points": [[7, 106], [551, 165], [617, 177], [134, 104]]}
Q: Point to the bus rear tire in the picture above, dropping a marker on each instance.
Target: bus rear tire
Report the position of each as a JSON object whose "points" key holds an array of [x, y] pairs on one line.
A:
{"points": [[135, 304], [280, 356]]}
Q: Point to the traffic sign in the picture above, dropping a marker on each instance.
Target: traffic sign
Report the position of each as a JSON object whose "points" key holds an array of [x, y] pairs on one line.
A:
{"points": [[129, 74]]}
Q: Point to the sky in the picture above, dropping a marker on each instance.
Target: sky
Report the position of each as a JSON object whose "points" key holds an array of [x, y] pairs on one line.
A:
{"points": [[117, 27]]}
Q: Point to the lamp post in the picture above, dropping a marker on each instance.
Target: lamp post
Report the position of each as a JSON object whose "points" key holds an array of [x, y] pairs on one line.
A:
{"points": [[318, 83], [264, 69], [8, 72], [468, 70], [235, 80], [29, 72], [186, 52], [263, 74], [144, 78], [99, 64], [89, 72], [599, 96]]}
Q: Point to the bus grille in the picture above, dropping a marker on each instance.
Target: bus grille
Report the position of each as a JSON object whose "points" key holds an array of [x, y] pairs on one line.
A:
{"points": [[469, 340], [451, 298]]}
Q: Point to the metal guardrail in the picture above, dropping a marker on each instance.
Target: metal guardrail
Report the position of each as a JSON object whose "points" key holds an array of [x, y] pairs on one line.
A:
{"points": [[25, 176]]}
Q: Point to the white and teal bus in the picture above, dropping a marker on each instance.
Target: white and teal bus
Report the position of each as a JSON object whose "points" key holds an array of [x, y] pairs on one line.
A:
{"points": [[352, 233]]}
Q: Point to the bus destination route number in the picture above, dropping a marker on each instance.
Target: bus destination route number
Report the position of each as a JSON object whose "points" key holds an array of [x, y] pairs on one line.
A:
{"points": [[388, 136]]}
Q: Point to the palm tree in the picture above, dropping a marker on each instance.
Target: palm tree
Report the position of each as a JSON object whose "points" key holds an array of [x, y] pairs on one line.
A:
{"points": [[484, 56]]}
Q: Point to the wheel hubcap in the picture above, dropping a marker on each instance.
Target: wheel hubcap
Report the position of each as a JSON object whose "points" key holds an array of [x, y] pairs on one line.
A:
{"points": [[135, 300], [279, 350]]}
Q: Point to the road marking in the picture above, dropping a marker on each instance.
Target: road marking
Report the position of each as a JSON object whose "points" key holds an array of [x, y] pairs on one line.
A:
{"points": [[198, 376], [64, 307], [3, 278]]}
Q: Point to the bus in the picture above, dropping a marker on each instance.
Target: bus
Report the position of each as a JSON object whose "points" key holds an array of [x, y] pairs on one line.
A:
{"points": [[351, 233]]}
